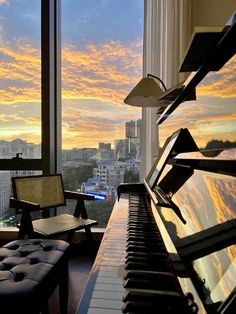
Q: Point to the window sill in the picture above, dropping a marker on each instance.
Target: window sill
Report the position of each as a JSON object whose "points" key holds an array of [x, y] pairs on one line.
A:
{"points": [[11, 233]]}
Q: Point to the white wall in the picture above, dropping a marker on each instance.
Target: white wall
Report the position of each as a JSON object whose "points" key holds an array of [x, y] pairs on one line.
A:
{"points": [[212, 12]]}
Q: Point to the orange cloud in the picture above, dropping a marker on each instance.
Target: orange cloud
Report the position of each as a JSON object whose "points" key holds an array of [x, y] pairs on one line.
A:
{"points": [[204, 125], [81, 130], [204, 200], [221, 84], [20, 73], [105, 72], [212, 115], [4, 2], [100, 76], [220, 191]]}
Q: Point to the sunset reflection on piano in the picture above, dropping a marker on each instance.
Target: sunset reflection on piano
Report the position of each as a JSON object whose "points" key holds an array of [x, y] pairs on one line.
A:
{"points": [[207, 199]]}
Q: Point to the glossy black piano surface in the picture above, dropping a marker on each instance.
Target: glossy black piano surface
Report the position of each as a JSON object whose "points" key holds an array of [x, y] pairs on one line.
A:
{"points": [[207, 201], [207, 198], [196, 222]]}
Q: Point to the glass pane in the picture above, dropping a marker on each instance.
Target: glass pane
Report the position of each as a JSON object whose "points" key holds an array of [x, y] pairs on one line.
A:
{"points": [[207, 200], [101, 63], [7, 214], [20, 79], [211, 117]]}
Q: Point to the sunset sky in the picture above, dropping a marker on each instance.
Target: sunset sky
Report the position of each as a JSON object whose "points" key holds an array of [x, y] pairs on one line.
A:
{"points": [[212, 115], [207, 200], [101, 62]]}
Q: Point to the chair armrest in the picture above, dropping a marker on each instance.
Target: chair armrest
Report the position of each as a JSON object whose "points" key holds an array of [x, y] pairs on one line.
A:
{"points": [[78, 196], [24, 205], [80, 209]]}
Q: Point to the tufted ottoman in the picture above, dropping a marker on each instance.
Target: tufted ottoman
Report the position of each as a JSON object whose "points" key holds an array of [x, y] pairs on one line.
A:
{"points": [[30, 270]]}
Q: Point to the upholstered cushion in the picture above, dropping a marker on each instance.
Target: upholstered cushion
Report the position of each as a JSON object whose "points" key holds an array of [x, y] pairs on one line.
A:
{"points": [[30, 270]]}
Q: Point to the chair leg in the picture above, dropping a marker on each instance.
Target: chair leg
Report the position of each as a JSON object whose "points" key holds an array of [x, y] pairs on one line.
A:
{"points": [[70, 236], [89, 234], [63, 288], [92, 243], [20, 234], [45, 309]]}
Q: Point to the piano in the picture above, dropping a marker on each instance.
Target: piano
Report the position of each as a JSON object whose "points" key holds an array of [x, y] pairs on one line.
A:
{"points": [[169, 246]]}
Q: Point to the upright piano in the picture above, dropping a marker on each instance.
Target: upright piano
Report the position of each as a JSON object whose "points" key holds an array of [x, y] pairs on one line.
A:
{"points": [[169, 246]]}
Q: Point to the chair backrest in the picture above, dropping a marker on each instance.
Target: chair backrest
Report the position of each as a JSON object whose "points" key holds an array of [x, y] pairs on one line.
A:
{"points": [[45, 190]]}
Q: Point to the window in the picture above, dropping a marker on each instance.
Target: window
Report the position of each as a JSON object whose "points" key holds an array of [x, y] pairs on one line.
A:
{"points": [[101, 62], [20, 94], [102, 44], [207, 198], [20, 79]]}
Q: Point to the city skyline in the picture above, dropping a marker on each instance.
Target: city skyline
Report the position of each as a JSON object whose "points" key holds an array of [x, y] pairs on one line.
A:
{"points": [[101, 62], [31, 150]]}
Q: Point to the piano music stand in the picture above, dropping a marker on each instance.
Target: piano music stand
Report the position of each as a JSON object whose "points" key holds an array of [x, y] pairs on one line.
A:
{"points": [[179, 142]]}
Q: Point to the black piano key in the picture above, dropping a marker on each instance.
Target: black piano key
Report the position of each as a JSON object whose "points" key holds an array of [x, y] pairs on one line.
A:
{"points": [[145, 241], [149, 278], [149, 255], [141, 220], [151, 283], [154, 302], [135, 235], [167, 277], [147, 261], [145, 248], [139, 307], [149, 245], [143, 234], [154, 296], [149, 228], [147, 266]]}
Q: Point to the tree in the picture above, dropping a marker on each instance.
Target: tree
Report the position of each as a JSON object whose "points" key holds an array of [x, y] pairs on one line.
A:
{"points": [[73, 177], [131, 176]]}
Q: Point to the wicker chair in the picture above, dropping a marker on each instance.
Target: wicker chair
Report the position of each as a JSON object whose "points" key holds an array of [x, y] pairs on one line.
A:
{"points": [[33, 193]]}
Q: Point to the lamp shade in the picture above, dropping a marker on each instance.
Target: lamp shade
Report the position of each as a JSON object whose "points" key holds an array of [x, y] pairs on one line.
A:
{"points": [[145, 94]]}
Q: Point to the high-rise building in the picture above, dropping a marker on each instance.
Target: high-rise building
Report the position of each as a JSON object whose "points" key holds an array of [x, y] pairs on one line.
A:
{"points": [[106, 146], [133, 128], [4, 191]]}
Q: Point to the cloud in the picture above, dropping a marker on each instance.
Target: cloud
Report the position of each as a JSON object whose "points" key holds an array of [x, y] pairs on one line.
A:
{"points": [[33, 136], [105, 72], [20, 73], [88, 122], [212, 115], [206, 118], [4, 2], [222, 83], [95, 80], [221, 192]]}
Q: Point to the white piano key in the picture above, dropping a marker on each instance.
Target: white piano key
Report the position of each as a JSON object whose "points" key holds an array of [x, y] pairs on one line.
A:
{"points": [[103, 311], [108, 273], [109, 295], [108, 287], [107, 304], [112, 280]]}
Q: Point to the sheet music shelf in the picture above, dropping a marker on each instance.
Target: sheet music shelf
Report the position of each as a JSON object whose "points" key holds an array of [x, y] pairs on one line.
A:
{"points": [[223, 162], [215, 59]]}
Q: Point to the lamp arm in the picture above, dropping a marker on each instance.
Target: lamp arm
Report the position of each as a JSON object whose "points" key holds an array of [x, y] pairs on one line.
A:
{"points": [[156, 77]]}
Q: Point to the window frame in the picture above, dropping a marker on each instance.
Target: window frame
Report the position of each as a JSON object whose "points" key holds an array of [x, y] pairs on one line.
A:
{"points": [[50, 161]]}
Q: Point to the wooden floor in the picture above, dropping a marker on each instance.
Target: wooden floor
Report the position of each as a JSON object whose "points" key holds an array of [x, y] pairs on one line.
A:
{"points": [[80, 263]]}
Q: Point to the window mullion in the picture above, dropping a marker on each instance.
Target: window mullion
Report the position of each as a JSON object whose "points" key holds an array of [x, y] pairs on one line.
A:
{"points": [[51, 86]]}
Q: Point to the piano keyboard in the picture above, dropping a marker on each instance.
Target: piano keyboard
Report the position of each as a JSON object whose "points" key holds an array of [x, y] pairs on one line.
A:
{"points": [[132, 272], [104, 291]]}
